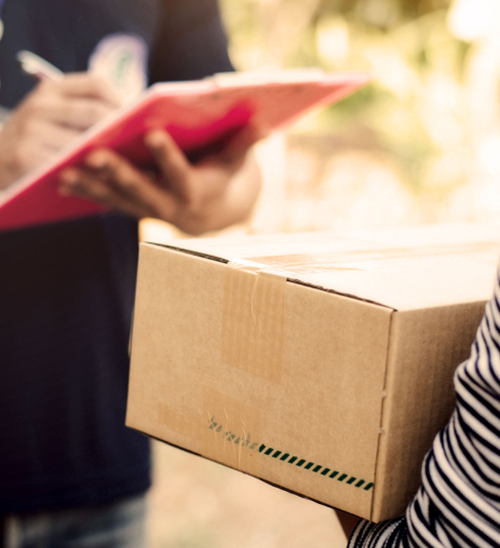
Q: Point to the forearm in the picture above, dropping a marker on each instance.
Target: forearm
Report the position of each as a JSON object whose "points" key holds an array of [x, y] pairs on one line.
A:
{"points": [[390, 534]]}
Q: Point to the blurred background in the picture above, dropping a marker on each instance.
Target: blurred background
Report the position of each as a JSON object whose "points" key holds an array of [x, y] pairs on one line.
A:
{"points": [[420, 144]]}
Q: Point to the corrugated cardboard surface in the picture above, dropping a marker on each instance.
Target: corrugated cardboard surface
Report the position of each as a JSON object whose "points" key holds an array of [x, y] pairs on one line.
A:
{"points": [[333, 396], [426, 346]]}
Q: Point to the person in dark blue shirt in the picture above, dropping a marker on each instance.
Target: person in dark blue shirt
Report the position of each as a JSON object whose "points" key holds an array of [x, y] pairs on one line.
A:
{"points": [[71, 473]]}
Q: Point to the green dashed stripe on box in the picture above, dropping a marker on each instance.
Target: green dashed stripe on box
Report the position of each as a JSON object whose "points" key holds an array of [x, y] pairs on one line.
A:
{"points": [[292, 459], [318, 468]]}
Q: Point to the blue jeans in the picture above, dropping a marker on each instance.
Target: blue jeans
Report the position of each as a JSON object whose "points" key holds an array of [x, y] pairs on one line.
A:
{"points": [[117, 525]]}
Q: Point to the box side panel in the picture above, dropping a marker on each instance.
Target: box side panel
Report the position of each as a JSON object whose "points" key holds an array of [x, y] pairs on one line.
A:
{"points": [[273, 378], [334, 359], [425, 349], [171, 338]]}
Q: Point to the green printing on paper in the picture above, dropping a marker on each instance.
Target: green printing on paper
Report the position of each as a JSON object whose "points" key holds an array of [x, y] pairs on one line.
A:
{"points": [[246, 441]]}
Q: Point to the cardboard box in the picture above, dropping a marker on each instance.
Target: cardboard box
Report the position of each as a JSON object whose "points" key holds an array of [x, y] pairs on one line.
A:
{"points": [[317, 362]]}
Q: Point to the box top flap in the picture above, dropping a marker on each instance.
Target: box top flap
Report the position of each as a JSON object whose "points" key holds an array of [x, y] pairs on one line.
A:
{"points": [[403, 268]]}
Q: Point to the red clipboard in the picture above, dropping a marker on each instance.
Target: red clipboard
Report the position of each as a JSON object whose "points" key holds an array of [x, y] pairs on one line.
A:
{"points": [[199, 115]]}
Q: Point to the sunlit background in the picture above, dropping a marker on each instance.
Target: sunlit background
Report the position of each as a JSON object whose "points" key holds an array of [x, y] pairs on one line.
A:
{"points": [[421, 144]]}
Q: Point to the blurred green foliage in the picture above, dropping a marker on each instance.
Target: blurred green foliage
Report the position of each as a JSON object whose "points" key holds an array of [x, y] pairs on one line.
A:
{"points": [[294, 28], [414, 111]]}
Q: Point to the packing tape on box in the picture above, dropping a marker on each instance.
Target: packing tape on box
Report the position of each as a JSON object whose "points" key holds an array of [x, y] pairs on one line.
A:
{"points": [[227, 430], [368, 259], [186, 425], [233, 431], [252, 320]]}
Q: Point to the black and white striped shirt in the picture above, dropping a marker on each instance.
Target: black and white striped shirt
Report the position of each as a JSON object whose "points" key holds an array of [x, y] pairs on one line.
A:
{"points": [[458, 504]]}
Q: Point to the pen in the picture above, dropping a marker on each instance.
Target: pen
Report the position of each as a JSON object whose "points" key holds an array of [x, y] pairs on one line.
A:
{"points": [[38, 68]]}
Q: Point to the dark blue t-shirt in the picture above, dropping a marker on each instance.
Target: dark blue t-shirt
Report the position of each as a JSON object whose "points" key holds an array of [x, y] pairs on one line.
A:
{"points": [[67, 290]]}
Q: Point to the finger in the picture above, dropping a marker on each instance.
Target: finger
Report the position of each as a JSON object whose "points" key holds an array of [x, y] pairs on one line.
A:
{"points": [[84, 84], [236, 148], [171, 160], [84, 184], [34, 155], [55, 137], [77, 113], [131, 184]]}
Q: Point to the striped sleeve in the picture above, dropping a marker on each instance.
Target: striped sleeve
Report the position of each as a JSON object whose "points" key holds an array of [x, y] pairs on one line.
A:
{"points": [[458, 503]]}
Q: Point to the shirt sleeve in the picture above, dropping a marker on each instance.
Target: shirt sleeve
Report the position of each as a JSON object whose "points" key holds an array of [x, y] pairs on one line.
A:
{"points": [[458, 503], [191, 42]]}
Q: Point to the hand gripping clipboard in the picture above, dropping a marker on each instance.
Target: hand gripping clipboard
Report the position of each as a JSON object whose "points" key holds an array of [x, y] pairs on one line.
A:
{"points": [[199, 115]]}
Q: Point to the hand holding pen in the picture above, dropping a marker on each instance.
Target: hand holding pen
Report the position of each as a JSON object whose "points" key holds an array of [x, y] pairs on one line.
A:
{"points": [[40, 69], [212, 194], [58, 110]]}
